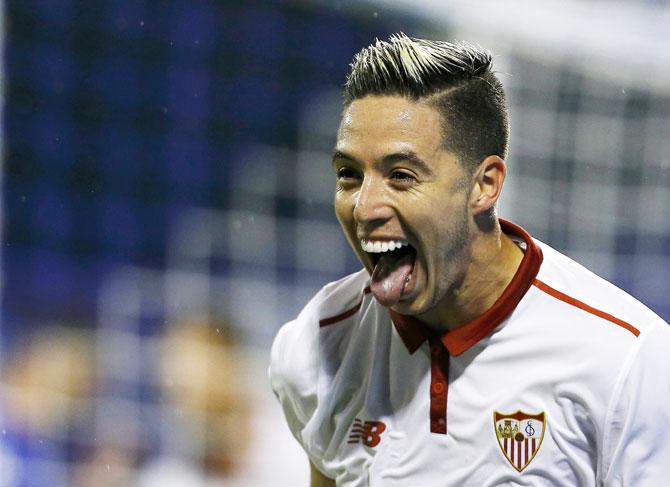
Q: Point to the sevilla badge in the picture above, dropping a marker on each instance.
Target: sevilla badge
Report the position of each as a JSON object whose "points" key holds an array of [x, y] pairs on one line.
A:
{"points": [[519, 435]]}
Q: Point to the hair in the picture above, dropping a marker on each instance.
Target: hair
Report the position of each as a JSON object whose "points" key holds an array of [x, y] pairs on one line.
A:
{"points": [[454, 78]]}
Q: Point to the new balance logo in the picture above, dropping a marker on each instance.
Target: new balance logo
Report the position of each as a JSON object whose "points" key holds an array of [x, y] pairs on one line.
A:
{"points": [[366, 432]]}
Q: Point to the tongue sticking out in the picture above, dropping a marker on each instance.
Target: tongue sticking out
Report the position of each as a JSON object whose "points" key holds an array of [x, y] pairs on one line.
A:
{"points": [[389, 276]]}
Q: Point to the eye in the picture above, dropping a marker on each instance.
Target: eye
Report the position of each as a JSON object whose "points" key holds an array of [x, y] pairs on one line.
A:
{"points": [[346, 173], [402, 176]]}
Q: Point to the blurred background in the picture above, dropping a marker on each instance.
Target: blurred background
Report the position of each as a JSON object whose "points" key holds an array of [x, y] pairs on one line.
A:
{"points": [[166, 205]]}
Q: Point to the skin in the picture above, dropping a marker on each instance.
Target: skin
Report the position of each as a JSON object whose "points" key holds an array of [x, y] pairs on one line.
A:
{"points": [[317, 479], [395, 180]]}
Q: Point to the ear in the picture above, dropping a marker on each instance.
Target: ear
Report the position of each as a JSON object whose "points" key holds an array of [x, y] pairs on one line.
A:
{"points": [[488, 179]]}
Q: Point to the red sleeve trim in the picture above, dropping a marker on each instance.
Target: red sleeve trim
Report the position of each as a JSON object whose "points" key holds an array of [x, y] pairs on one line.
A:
{"points": [[346, 314], [589, 309]]}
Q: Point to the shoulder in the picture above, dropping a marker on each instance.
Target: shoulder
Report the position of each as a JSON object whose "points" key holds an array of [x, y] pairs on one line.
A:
{"points": [[296, 339], [297, 350], [611, 348], [579, 293], [636, 443]]}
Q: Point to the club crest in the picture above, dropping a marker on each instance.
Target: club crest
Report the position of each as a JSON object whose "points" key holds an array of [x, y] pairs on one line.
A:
{"points": [[519, 435]]}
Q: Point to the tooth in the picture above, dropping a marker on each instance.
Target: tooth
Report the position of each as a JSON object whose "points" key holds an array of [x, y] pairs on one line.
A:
{"points": [[378, 247]]}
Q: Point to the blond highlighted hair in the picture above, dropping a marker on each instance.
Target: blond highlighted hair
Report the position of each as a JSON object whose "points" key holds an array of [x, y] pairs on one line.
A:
{"points": [[455, 78]]}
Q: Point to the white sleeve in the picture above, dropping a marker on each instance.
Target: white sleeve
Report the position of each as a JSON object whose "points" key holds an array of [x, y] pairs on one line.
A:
{"points": [[293, 376], [637, 437]]}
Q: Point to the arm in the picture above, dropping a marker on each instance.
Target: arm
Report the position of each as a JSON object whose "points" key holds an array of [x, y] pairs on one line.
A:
{"points": [[318, 479], [293, 377]]}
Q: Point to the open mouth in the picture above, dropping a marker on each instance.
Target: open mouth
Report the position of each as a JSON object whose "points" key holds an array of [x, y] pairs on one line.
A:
{"points": [[393, 263]]}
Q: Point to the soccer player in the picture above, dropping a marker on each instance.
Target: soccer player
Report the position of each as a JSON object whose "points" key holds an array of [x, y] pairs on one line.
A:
{"points": [[465, 352]]}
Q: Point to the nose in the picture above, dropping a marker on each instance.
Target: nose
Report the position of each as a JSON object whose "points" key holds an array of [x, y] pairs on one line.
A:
{"points": [[372, 205]]}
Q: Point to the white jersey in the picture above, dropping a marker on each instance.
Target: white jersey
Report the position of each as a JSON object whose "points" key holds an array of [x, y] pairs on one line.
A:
{"points": [[563, 382]]}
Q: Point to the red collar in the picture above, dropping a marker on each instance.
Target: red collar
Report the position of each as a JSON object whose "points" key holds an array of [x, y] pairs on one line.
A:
{"points": [[414, 333]]}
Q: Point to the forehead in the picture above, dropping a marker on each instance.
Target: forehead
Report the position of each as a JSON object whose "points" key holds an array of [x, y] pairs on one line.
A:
{"points": [[390, 120]]}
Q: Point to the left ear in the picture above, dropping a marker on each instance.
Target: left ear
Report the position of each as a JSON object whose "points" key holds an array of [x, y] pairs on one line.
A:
{"points": [[488, 182]]}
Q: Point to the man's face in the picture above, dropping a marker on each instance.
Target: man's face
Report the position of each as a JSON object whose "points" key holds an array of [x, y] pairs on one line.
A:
{"points": [[396, 185]]}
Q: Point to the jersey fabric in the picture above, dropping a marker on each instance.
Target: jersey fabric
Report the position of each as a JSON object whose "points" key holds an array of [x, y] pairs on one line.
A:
{"points": [[563, 382]]}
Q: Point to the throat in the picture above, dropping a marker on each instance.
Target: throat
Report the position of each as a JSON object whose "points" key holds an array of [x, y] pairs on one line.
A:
{"points": [[478, 290]]}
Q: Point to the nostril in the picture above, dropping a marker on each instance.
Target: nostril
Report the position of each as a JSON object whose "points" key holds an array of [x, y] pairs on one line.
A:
{"points": [[369, 214], [371, 205]]}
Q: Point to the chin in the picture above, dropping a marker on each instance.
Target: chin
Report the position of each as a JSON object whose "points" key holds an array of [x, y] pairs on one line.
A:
{"points": [[411, 307], [406, 310]]}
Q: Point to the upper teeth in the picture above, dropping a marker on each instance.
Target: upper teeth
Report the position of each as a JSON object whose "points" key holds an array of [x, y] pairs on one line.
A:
{"points": [[378, 246]]}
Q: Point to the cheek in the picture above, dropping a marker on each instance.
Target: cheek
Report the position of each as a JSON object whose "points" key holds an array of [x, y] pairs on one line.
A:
{"points": [[346, 223], [445, 235], [344, 208], [344, 214]]}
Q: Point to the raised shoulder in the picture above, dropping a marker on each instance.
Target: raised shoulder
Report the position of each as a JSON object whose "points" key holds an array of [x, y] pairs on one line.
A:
{"points": [[296, 353], [340, 299]]}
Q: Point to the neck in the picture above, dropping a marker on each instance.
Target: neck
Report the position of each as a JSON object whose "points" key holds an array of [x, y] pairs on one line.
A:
{"points": [[495, 259]]}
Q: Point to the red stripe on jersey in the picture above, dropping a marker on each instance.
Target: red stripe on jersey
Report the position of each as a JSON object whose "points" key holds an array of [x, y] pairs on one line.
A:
{"points": [[439, 386], [517, 447], [346, 314], [525, 444], [583, 306]]}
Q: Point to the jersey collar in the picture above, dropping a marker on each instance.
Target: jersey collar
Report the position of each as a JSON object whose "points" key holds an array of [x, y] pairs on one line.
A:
{"points": [[413, 333]]}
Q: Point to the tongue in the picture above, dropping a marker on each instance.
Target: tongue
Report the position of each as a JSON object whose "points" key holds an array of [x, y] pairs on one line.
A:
{"points": [[389, 276]]}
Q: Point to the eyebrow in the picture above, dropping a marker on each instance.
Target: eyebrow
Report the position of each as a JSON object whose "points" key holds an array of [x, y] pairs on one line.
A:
{"points": [[342, 155], [390, 159], [408, 156]]}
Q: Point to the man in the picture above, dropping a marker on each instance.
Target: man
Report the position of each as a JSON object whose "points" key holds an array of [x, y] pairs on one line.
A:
{"points": [[466, 352]]}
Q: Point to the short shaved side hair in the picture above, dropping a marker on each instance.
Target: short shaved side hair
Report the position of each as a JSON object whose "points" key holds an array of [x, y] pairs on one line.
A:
{"points": [[454, 78]]}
